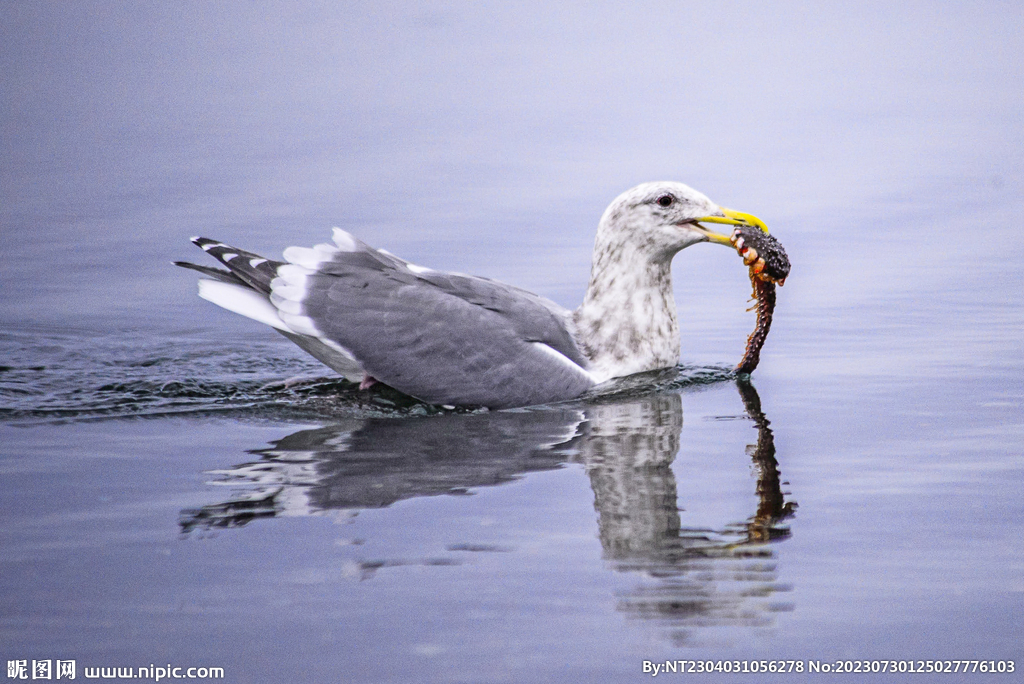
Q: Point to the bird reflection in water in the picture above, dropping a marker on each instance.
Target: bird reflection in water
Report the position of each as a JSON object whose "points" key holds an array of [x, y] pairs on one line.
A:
{"points": [[691, 578], [697, 577]]}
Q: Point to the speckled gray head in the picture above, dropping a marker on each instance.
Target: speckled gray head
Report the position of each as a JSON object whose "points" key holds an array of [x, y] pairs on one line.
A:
{"points": [[627, 323], [657, 220]]}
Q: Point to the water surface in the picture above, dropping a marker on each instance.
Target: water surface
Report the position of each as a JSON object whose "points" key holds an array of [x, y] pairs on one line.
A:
{"points": [[179, 486]]}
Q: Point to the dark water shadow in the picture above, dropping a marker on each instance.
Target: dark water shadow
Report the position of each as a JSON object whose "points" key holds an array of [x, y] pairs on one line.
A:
{"points": [[689, 578]]}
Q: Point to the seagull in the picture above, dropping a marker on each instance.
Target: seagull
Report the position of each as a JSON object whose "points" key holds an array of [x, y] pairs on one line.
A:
{"points": [[459, 340]]}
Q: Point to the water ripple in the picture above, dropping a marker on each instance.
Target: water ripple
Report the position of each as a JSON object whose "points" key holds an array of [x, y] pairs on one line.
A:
{"points": [[55, 377]]}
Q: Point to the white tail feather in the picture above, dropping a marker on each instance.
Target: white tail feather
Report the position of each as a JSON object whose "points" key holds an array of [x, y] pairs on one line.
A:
{"points": [[242, 300]]}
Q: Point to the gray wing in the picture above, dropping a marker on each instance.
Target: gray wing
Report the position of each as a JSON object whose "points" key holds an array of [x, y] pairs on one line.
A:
{"points": [[441, 337]]}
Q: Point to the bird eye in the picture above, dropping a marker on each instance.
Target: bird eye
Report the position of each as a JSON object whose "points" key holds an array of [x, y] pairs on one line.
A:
{"points": [[665, 200]]}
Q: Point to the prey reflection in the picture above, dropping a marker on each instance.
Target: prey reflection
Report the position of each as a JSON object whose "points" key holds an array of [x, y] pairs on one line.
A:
{"points": [[693, 577], [688, 576]]}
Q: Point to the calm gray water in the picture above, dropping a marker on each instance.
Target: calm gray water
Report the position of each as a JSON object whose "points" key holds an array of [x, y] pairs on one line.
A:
{"points": [[181, 487]]}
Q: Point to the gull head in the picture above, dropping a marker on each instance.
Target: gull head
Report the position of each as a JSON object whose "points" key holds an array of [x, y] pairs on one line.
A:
{"points": [[659, 219]]}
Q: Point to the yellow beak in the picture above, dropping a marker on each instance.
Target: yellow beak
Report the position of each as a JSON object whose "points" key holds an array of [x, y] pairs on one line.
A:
{"points": [[732, 218]]}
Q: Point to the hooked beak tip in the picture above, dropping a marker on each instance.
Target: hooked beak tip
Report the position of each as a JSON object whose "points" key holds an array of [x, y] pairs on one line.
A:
{"points": [[728, 217]]}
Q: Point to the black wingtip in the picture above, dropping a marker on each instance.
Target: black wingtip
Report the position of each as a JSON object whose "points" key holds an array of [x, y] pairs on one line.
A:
{"points": [[215, 273], [204, 243]]}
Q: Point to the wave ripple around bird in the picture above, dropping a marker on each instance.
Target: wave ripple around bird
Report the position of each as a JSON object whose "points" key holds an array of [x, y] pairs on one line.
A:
{"points": [[55, 377]]}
